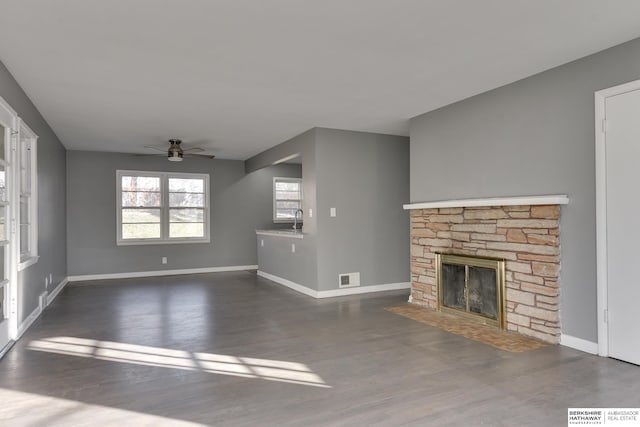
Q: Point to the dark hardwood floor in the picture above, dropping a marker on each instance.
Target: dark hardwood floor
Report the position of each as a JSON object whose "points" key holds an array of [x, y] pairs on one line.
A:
{"points": [[232, 349]]}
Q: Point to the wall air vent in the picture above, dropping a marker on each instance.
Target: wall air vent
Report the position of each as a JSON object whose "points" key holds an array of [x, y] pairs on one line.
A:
{"points": [[349, 280]]}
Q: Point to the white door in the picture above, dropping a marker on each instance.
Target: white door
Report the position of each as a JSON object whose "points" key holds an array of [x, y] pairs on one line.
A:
{"points": [[622, 145], [7, 293]]}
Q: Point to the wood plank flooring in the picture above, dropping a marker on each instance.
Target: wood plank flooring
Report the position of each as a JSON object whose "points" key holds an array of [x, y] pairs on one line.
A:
{"points": [[232, 349]]}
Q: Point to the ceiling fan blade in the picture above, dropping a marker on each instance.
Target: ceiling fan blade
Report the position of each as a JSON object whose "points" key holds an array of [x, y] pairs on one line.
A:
{"points": [[207, 156], [157, 148], [192, 149], [146, 155]]}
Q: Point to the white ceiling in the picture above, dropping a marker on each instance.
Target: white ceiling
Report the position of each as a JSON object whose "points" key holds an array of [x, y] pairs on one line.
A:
{"points": [[243, 75]]}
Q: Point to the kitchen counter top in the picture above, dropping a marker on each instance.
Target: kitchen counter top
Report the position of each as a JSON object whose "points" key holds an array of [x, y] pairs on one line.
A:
{"points": [[289, 233]]}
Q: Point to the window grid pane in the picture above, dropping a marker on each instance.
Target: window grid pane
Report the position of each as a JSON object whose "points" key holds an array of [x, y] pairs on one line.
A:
{"points": [[3, 185], [186, 215], [3, 131], [141, 199], [140, 183], [186, 200], [141, 231], [24, 241], [24, 210], [186, 229], [3, 235], [3, 272], [186, 185], [25, 167], [140, 216]]}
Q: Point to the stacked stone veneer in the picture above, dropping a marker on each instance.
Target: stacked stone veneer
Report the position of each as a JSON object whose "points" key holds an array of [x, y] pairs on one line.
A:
{"points": [[527, 237]]}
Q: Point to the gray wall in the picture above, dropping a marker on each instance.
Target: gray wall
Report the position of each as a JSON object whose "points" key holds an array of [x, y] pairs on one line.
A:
{"points": [[276, 258], [51, 200], [365, 176], [535, 136], [240, 203], [305, 146]]}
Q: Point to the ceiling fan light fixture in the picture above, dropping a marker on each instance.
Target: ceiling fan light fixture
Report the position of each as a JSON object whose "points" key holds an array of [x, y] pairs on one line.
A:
{"points": [[175, 153], [174, 156]]}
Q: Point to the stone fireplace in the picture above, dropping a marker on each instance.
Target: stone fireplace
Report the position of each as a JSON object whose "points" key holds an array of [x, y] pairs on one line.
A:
{"points": [[522, 231]]}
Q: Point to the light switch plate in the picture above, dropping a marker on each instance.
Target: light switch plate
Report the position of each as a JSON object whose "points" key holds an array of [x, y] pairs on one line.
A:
{"points": [[332, 212]]}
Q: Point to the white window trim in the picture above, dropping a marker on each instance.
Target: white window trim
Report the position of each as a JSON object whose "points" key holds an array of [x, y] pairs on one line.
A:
{"points": [[285, 179], [164, 222], [26, 132], [9, 285]]}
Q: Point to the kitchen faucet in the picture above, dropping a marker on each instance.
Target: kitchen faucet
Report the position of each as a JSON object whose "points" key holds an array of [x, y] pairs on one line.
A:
{"points": [[295, 219]]}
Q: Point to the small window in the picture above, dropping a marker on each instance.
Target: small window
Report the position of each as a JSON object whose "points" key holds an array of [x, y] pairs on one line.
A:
{"points": [[28, 209], [287, 198], [162, 207]]}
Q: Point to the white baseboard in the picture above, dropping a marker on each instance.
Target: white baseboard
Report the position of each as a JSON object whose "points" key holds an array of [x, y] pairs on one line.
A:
{"points": [[334, 292], [363, 289], [54, 293], [579, 344], [289, 284], [135, 274], [28, 322], [6, 348]]}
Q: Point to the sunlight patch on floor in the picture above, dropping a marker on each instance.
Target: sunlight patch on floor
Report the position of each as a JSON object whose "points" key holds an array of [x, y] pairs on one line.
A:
{"points": [[247, 367], [29, 409]]}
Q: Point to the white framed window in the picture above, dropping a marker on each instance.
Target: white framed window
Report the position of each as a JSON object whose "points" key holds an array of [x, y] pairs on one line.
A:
{"points": [[162, 207], [287, 198], [27, 178]]}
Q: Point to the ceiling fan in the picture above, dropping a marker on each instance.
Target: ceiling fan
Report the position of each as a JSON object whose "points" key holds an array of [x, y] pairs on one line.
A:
{"points": [[176, 153]]}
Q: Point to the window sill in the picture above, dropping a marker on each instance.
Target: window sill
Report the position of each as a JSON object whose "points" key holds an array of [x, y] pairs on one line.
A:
{"points": [[28, 262], [160, 242]]}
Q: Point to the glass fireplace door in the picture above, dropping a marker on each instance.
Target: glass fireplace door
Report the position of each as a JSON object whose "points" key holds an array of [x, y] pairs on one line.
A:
{"points": [[472, 287]]}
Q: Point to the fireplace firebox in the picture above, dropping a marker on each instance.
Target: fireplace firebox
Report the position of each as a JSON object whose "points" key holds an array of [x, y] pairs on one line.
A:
{"points": [[472, 287]]}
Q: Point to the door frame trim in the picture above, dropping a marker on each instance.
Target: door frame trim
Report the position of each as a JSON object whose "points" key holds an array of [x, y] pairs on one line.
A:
{"points": [[601, 208]]}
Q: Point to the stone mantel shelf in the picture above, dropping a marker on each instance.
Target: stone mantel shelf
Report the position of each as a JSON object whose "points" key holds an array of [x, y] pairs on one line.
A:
{"points": [[555, 199]]}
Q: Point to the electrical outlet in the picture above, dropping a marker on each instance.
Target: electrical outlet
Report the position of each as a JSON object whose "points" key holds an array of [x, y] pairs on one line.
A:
{"points": [[293, 248], [42, 300], [310, 213], [164, 259], [261, 242], [332, 212]]}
